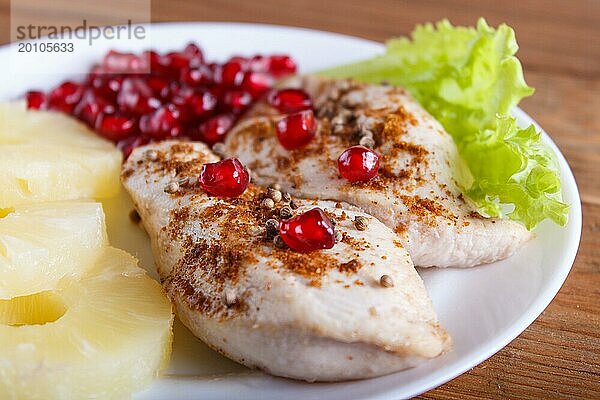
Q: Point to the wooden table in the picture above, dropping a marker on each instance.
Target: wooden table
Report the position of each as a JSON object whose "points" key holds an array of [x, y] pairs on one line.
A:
{"points": [[558, 357]]}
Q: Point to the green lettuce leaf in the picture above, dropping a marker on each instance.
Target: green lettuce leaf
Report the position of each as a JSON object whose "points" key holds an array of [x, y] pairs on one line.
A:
{"points": [[470, 80]]}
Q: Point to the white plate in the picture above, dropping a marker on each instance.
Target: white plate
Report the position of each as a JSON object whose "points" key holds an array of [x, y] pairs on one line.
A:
{"points": [[484, 308]]}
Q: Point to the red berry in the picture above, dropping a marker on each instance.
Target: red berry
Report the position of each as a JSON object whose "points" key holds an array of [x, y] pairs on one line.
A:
{"points": [[158, 85], [308, 232], [156, 63], [280, 65], [64, 97], [290, 101], [232, 73], [259, 63], [194, 104], [136, 97], [216, 128], [116, 127], [35, 100], [237, 100], [296, 130], [201, 75], [106, 85], [125, 63], [162, 123], [256, 83], [226, 178], [175, 62], [193, 53], [91, 106], [358, 164]]}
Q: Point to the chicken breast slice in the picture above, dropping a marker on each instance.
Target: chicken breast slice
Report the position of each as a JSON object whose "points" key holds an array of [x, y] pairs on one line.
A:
{"points": [[321, 316], [415, 193]]}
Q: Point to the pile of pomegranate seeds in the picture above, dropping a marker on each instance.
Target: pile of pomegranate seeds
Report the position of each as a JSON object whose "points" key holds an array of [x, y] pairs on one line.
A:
{"points": [[308, 232], [358, 164], [226, 178], [182, 96]]}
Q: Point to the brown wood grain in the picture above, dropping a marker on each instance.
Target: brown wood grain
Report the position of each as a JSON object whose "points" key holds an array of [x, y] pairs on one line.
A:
{"points": [[558, 357]]}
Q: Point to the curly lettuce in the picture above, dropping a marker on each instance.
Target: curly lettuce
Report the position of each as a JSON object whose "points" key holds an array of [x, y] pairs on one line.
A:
{"points": [[470, 80]]}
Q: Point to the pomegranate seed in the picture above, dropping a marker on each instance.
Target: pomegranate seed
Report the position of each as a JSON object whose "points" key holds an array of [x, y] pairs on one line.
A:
{"points": [[202, 75], [127, 145], [123, 63], [256, 83], [35, 100], [259, 63], [193, 53], [158, 85], [237, 100], [215, 129], [107, 86], [296, 130], [290, 100], [217, 72], [176, 61], [136, 97], [116, 127], [280, 65], [156, 63], [162, 123], [358, 164], [308, 232], [91, 106], [226, 178], [232, 73], [194, 104], [65, 97]]}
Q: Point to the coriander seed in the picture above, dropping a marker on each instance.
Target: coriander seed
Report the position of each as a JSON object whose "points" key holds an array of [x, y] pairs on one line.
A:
{"points": [[286, 212], [172, 187], [268, 203], [274, 194], [361, 223], [386, 281]]}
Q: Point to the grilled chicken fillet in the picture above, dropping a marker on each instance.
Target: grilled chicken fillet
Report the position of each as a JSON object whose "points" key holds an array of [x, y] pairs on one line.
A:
{"points": [[415, 193], [320, 316]]}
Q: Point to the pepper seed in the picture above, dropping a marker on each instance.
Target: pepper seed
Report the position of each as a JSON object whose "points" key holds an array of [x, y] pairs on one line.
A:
{"points": [[293, 205], [229, 297], [271, 228], [286, 197], [367, 142], [172, 187], [338, 128], [386, 281], [279, 243], [365, 132], [220, 150], [268, 203], [338, 120], [361, 223], [151, 155], [286, 212], [274, 194], [338, 236], [183, 181], [257, 230]]}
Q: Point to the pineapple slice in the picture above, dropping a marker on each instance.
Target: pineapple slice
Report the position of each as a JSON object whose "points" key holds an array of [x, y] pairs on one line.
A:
{"points": [[103, 337], [41, 244], [48, 156]]}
